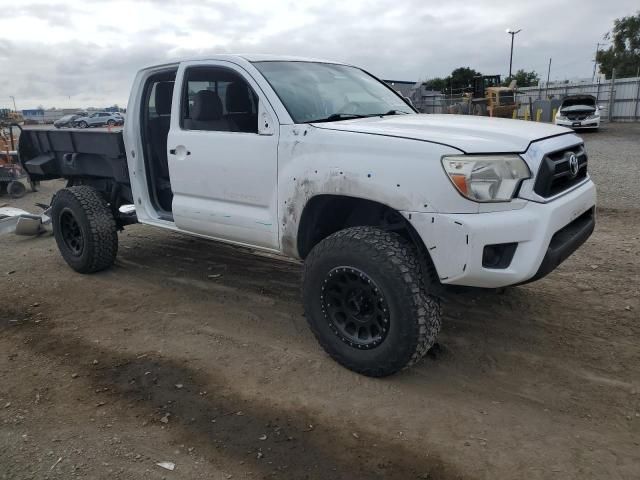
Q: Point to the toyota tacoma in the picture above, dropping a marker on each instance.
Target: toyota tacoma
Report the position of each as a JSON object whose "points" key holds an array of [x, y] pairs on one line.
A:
{"points": [[322, 162]]}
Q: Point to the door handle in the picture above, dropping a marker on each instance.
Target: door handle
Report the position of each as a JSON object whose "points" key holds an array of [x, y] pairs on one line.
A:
{"points": [[173, 152]]}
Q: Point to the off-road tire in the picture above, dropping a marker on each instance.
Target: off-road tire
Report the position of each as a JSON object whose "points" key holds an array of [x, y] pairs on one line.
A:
{"points": [[99, 238], [391, 263]]}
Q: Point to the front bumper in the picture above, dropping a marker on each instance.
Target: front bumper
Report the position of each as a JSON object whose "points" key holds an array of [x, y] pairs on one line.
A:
{"points": [[588, 123], [566, 241], [545, 234]]}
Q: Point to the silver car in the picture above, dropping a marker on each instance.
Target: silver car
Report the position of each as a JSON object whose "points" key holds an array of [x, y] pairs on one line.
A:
{"points": [[98, 119]]}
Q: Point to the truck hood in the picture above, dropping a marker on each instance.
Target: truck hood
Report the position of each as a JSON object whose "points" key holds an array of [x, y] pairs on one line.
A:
{"points": [[467, 133]]}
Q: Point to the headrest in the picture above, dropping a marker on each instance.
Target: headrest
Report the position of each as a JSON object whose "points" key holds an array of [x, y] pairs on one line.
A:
{"points": [[238, 98], [164, 93], [206, 106]]}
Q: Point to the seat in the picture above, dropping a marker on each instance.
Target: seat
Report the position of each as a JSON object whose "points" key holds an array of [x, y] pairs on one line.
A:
{"points": [[206, 114], [239, 107]]}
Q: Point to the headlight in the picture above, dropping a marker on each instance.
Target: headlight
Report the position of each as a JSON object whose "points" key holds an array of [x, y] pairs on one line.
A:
{"points": [[561, 117], [593, 115], [486, 178]]}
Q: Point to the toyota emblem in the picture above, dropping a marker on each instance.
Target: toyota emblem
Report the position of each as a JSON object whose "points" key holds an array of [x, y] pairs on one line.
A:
{"points": [[573, 165]]}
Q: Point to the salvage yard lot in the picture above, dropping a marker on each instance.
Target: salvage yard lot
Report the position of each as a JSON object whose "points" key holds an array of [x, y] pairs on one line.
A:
{"points": [[198, 354]]}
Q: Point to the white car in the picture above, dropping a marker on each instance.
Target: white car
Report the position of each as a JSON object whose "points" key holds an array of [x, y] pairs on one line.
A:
{"points": [[579, 112], [322, 162]]}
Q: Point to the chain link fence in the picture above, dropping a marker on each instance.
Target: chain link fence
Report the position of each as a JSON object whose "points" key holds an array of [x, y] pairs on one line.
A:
{"points": [[619, 99]]}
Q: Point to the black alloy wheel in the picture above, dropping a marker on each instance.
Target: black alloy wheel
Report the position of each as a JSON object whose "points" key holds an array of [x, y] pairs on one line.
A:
{"points": [[355, 308], [71, 232]]}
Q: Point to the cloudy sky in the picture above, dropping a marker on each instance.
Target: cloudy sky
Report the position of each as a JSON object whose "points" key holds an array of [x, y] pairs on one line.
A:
{"points": [[79, 53]]}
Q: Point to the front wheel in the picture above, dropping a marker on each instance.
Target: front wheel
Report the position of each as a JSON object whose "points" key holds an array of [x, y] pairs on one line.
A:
{"points": [[83, 125], [111, 123], [84, 229], [365, 301]]}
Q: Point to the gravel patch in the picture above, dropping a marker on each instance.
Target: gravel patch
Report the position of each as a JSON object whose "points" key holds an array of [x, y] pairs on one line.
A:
{"points": [[614, 164]]}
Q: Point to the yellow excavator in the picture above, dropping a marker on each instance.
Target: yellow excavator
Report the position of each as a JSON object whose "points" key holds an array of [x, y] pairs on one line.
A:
{"points": [[488, 98]]}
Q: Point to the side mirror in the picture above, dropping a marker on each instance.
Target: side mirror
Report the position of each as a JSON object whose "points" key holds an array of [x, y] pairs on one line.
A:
{"points": [[265, 121]]}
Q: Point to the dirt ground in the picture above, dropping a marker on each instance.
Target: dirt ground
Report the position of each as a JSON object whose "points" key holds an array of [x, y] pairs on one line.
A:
{"points": [[198, 354]]}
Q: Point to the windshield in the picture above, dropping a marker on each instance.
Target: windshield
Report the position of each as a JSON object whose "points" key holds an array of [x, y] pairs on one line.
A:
{"points": [[313, 91]]}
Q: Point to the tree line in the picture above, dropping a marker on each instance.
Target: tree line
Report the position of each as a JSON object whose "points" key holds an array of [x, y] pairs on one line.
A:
{"points": [[461, 80], [623, 55], [624, 52]]}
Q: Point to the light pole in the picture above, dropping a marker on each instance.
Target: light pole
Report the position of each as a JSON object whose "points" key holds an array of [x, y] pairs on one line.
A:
{"points": [[513, 34], [595, 60], [14, 103]]}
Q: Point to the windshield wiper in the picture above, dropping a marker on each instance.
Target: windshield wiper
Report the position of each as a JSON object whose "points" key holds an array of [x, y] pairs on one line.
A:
{"points": [[337, 116], [394, 112], [347, 116]]}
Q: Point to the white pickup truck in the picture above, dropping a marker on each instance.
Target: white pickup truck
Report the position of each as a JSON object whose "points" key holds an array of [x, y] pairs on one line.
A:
{"points": [[323, 162]]}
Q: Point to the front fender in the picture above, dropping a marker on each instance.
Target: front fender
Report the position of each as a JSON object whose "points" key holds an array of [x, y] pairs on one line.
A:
{"points": [[403, 174]]}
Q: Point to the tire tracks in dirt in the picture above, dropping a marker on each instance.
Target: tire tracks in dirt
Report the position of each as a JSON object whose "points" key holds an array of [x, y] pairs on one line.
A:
{"points": [[267, 439]]}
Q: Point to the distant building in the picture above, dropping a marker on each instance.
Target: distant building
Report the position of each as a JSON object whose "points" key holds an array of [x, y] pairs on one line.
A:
{"points": [[427, 100], [35, 115], [401, 86], [40, 115], [422, 97]]}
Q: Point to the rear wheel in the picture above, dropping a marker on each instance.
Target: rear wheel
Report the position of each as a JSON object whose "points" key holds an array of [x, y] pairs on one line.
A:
{"points": [[366, 303], [84, 229]]}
